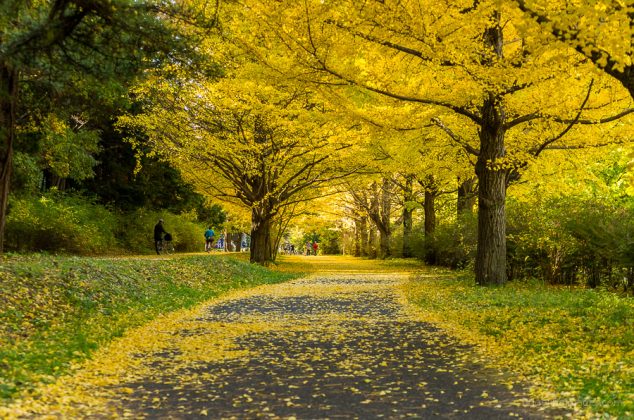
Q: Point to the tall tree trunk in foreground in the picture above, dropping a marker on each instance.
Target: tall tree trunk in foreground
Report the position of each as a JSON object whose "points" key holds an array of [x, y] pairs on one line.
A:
{"points": [[490, 264], [260, 238], [8, 101]]}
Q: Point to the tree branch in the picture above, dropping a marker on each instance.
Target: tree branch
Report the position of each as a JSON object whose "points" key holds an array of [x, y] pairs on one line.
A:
{"points": [[537, 151], [388, 44], [625, 76], [463, 143]]}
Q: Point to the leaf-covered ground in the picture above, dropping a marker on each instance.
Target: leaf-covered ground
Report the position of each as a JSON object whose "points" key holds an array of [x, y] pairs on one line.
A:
{"points": [[335, 344], [576, 345], [55, 310]]}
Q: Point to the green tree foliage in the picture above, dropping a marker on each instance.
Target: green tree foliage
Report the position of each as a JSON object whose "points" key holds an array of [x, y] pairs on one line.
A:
{"points": [[90, 48]]}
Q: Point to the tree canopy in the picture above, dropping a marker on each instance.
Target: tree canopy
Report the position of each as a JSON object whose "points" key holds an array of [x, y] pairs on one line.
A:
{"points": [[250, 139], [267, 105], [483, 73]]}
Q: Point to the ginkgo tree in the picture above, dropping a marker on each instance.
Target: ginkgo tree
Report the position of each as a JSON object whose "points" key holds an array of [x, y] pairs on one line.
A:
{"points": [[602, 30], [482, 72], [250, 138]]}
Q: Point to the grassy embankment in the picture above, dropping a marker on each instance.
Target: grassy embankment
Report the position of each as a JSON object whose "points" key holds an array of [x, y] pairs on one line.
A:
{"points": [[576, 344], [57, 310]]}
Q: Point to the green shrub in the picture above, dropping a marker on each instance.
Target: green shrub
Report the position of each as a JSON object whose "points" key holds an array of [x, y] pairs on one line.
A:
{"points": [[56, 222], [572, 240], [451, 245], [136, 231], [26, 174], [69, 223]]}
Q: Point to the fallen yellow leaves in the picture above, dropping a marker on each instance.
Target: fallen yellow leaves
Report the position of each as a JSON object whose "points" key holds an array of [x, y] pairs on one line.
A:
{"points": [[558, 339], [336, 341]]}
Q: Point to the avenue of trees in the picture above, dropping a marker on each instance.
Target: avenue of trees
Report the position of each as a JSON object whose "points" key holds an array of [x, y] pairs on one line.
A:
{"points": [[484, 73], [395, 119]]}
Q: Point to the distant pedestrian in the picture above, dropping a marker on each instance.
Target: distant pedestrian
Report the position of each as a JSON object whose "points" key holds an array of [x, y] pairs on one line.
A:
{"points": [[159, 231], [309, 248], [209, 239], [243, 242], [221, 242], [315, 246]]}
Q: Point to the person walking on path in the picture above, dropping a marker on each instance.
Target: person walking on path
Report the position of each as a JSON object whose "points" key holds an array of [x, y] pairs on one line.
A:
{"points": [[159, 231], [308, 248], [220, 244], [315, 247], [209, 239]]}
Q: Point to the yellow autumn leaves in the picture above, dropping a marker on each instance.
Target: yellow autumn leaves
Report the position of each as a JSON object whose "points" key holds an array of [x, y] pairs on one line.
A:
{"points": [[576, 344]]}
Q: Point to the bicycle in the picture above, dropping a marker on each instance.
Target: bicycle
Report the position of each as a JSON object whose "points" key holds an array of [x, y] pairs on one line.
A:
{"points": [[165, 246]]}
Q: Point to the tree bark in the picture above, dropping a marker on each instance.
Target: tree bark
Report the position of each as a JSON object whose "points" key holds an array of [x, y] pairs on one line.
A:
{"points": [[260, 238], [408, 197], [8, 103], [372, 242], [385, 250], [357, 237], [385, 228], [490, 264]]}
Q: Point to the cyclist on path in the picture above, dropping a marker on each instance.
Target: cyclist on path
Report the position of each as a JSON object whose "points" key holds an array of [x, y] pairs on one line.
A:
{"points": [[159, 231], [209, 239]]}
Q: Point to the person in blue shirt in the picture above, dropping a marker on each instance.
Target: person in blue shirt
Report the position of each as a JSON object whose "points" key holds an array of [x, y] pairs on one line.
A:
{"points": [[209, 239]]}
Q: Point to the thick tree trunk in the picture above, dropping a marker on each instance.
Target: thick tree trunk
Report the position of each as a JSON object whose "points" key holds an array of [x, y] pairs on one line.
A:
{"points": [[408, 211], [8, 103], [466, 196], [490, 264], [260, 238]]}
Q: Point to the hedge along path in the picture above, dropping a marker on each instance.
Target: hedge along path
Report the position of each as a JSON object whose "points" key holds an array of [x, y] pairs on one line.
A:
{"points": [[336, 344]]}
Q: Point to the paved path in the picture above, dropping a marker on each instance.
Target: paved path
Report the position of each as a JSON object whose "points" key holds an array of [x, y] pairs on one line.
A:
{"points": [[328, 346]]}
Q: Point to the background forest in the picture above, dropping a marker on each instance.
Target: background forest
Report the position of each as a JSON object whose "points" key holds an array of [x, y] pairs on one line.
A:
{"points": [[368, 128]]}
